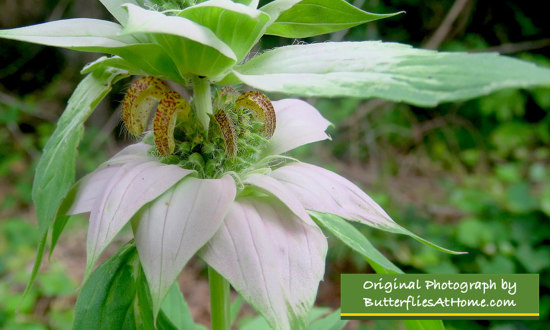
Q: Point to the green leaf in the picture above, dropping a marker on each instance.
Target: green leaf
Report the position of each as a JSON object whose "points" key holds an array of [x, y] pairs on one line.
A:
{"points": [[350, 236], [156, 63], [85, 34], [144, 304], [192, 47], [424, 324], [317, 321], [92, 35], [249, 3], [353, 238], [275, 8], [61, 218], [116, 296], [116, 9], [152, 59], [331, 321], [104, 62], [107, 298], [235, 308], [386, 70], [55, 171], [235, 24], [176, 310], [307, 18]]}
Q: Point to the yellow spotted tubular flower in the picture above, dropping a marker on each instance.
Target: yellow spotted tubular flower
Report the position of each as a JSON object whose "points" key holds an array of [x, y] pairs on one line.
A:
{"points": [[235, 140], [140, 100], [227, 129], [263, 236], [229, 196], [170, 108], [261, 109]]}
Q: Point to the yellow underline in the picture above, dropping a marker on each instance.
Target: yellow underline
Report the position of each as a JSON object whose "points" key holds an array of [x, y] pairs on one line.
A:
{"points": [[439, 314]]}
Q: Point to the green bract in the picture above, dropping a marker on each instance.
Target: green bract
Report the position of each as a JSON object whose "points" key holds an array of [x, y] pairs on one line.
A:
{"points": [[207, 39], [307, 18], [209, 43], [212, 38]]}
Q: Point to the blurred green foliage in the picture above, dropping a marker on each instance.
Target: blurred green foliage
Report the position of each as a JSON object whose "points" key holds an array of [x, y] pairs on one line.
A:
{"points": [[472, 176]]}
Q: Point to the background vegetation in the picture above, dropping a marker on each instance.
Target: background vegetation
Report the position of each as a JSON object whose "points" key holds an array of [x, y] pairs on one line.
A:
{"points": [[471, 176]]}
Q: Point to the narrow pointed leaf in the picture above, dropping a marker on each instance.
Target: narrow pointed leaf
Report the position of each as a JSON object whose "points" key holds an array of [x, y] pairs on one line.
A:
{"points": [[317, 322], [325, 191], [353, 238], [144, 305], [107, 298], [150, 58], [145, 308], [249, 3], [298, 123], [133, 185], [92, 35], [276, 7], [62, 217], [175, 309], [140, 59], [55, 171], [272, 258], [84, 34], [114, 62], [307, 18], [193, 48], [350, 236], [235, 308], [171, 230], [117, 10], [330, 322], [237, 25], [386, 70]]}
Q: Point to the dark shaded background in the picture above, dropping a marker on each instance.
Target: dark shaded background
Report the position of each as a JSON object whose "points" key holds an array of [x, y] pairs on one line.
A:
{"points": [[471, 176]]}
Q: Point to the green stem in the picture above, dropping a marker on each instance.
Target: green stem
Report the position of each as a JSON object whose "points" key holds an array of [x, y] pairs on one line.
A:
{"points": [[203, 100], [219, 301]]}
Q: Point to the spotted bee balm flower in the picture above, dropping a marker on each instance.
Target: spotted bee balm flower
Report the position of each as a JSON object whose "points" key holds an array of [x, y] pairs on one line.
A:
{"points": [[209, 176], [229, 196]]}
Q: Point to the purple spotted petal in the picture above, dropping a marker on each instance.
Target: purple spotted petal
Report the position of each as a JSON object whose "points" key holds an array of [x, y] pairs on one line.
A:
{"points": [[176, 225], [298, 123], [271, 257], [281, 192], [93, 184], [134, 152], [132, 185], [325, 191], [90, 188]]}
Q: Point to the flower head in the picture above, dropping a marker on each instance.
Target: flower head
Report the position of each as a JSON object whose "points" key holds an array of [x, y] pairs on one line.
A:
{"points": [[250, 225]]}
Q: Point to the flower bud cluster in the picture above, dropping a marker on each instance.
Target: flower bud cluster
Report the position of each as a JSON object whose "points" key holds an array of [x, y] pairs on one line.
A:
{"points": [[238, 134]]}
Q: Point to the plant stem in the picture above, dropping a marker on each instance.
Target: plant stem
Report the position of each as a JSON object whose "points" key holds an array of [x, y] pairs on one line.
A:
{"points": [[202, 99], [219, 301]]}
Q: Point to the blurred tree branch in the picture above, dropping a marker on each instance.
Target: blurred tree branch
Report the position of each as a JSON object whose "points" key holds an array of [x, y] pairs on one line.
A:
{"points": [[445, 28]]}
